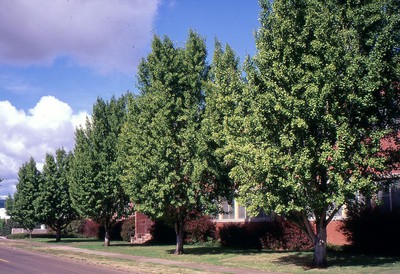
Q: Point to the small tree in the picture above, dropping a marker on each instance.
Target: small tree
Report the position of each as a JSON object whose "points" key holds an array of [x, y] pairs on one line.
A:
{"points": [[53, 204], [96, 190], [21, 208]]}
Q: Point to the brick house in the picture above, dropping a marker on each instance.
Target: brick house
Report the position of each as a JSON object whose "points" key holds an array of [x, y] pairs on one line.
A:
{"points": [[235, 213]]}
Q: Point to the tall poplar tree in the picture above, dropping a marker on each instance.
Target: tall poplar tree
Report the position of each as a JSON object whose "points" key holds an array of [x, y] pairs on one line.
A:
{"points": [[224, 90], [166, 168], [53, 203], [96, 190], [22, 209], [322, 92]]}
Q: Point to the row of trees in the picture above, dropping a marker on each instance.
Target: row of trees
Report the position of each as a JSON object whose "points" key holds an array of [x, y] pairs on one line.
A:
{"points": [[83, 183], [296, 130], [43, 197]]}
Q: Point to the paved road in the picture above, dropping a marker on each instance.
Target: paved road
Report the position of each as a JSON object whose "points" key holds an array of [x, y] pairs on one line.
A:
{"points": [[56, 265], [17, 261]]}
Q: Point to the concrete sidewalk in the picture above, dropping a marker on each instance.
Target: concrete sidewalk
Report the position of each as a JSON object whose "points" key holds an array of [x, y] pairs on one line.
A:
{"points": [[142, 259]]}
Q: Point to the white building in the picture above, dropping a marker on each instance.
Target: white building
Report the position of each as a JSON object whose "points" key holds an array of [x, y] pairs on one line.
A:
{"points": [[3, 214]]}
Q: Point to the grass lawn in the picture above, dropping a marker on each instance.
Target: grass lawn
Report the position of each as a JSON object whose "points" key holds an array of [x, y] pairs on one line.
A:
{"points": [[288, 262]]}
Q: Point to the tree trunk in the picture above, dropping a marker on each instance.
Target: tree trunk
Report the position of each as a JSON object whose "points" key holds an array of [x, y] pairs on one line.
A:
{"points": [[319, 259], [58, 234], [107, 239], [179, 229]]}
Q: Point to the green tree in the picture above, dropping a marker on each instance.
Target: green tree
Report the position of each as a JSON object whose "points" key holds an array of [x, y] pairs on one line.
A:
{"points": [[96, 190], [224, 89], [21, 207], [163, 149], [53, 203], [321, 94], [9, 204]]}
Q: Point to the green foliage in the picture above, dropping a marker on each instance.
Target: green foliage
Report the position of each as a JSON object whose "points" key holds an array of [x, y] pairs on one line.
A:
{"points": [[21, 207], [19, 236], [128, 229], [223, 90], [9, 204], [164, 152], [75, 228], [321, 93], [96, 191], [53, 203], [7, 227]]}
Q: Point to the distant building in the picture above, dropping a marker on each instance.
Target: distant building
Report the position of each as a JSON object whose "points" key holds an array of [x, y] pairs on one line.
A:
{"points": [[3, 214]]}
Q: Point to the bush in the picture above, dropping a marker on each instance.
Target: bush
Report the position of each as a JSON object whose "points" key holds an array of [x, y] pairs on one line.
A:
{"points": [[18, 236], [283, 235], [276, 235], [373, 230], [91, 229], [6, 229], [128, 229], [162, 233], [242, 236], [200, 230], [75, 228]]}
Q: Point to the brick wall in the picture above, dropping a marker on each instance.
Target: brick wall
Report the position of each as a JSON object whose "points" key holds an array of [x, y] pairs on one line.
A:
{"points": [[335, 233], [24, 231], [142, 225]]}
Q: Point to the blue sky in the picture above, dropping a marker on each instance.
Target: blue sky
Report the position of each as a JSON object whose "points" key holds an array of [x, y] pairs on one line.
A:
{"points": [[66, 53]]}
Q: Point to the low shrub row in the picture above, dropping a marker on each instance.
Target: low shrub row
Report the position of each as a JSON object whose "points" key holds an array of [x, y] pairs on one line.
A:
{"points": [[369, 230], [374, 231], [277, 235]]}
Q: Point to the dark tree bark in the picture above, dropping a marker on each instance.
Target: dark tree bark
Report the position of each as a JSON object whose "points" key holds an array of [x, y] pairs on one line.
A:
{"points": [[179, 230], [58, 234]]}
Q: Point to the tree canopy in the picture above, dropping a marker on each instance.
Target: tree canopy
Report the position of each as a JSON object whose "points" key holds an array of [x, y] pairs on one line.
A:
{"points": [[164, 152], [53, 203], [21, 207], [321, 93], [96, 191]]}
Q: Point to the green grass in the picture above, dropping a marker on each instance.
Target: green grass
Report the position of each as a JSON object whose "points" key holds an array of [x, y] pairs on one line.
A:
{"points": [[288, 262]]}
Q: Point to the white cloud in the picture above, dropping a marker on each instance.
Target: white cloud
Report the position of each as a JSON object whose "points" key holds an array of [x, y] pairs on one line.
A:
{"points": [[49, 113], [107, 35], [43, 129]]}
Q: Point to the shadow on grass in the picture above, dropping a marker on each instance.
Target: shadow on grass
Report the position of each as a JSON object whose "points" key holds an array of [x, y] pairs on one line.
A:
{"points": [[346, 259], [217, 250], [72, 240], [301, 259], [66, 239], [337, 259]]}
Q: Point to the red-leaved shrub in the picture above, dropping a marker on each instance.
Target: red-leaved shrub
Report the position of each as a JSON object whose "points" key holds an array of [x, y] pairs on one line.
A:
{"points": [[286, 236], [91, 229], [276, 235], [200, 230]]}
